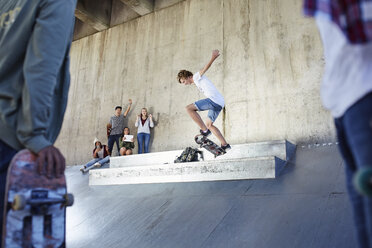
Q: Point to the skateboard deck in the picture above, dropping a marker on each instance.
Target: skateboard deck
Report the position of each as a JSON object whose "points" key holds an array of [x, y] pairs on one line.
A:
{"points": [[363, 181], [35, 206], [209, 145], [108, 129]]}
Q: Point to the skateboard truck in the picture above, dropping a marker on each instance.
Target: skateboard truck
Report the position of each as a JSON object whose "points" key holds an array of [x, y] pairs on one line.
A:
{"points": [[40, 201]]}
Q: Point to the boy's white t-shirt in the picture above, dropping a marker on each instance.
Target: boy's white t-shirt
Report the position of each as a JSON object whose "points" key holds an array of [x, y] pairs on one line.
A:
{"points": [[348, 69], [206, 87]]}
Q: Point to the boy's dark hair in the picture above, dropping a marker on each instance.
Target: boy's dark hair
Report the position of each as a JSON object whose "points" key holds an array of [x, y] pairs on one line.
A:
{"points": [[118, 107], [183, 74]]}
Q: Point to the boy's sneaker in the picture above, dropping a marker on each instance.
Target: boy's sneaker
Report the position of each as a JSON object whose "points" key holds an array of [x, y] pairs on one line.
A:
{"points": [[97, 165], [226, 147], [205, 134]]}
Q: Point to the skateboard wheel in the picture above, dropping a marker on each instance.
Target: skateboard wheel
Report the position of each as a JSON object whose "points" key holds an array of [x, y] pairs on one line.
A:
{"points": [[19, 202], [199, 139], [363, 181], [69, 200]]}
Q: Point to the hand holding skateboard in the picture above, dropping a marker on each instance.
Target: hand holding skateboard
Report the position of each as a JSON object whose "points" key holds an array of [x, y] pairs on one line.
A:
{"points": [[50, 162], [35, 214]]}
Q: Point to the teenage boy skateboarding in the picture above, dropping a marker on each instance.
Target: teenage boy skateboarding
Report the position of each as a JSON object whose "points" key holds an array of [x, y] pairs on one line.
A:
{"points": [[213, 103]]}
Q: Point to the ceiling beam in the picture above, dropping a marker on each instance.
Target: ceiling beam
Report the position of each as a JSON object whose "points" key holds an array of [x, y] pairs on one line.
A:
{"points": [[85, 16], [142, 7]]}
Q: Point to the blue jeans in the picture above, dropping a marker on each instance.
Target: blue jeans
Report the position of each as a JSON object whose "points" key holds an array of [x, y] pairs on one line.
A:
{"points": [[143, 138], [6, 155], [354, 131], [111, 140], [102, 161], [208, 104]]}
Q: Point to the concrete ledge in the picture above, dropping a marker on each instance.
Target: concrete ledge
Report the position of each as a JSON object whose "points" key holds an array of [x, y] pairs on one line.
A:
{"points": [[228, 169], [282, 149]]}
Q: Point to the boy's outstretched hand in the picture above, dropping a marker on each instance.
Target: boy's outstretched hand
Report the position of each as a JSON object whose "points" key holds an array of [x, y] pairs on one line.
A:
{"points": [[215, 54]]}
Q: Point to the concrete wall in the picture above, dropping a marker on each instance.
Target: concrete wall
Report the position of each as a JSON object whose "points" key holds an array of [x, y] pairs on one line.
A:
{"points": [[269, 72]]}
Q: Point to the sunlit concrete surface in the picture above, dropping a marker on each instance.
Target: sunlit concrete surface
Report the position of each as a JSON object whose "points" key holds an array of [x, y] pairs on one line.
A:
{"points": [[244, 161], [306, 206], [269, 73]]}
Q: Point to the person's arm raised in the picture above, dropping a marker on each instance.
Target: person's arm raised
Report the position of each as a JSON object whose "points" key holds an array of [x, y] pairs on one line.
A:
{"points": [[215, 54], [127, 111]]}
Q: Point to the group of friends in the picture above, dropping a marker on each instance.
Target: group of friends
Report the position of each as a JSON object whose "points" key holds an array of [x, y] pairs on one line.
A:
{"points": [[35, 41], [119, 134]]}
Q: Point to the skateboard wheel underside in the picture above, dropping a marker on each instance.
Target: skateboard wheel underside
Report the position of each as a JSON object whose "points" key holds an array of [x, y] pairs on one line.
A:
{"points": [[363, 181]]}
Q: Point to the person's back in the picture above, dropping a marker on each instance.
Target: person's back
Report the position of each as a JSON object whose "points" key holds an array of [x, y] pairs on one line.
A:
{"points": [[35, 40], [34, 47], [346, 31]]}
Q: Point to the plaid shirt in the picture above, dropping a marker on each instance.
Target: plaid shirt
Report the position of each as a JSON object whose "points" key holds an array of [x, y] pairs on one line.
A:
{"points": [[354, 17]]}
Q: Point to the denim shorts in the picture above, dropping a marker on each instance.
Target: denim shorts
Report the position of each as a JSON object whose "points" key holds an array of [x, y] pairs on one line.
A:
{"points": [[208, 104]]}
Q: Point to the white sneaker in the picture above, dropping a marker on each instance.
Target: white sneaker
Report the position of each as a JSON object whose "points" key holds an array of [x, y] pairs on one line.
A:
{"points": [[97, 165]]}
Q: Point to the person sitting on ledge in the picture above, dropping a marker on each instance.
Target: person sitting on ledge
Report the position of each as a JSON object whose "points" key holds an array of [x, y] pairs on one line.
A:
{"points": [[126, 143], [100, 156]]}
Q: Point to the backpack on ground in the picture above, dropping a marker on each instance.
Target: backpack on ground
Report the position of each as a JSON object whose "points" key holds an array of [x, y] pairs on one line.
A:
{"points": [[189, 155]]}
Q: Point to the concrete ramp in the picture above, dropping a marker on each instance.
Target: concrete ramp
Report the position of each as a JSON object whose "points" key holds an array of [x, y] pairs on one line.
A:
{"points": [[245, 161], [306, 206]]}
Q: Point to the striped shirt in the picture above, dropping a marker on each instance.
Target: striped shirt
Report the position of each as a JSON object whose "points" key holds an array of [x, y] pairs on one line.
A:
{"points": [[353, 17]]}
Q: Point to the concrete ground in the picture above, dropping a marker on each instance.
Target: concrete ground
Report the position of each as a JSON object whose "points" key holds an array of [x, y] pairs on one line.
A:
{"points": [[306, 206]]}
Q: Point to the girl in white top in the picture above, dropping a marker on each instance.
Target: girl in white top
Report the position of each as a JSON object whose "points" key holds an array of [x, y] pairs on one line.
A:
{"points": [[144, 122]]}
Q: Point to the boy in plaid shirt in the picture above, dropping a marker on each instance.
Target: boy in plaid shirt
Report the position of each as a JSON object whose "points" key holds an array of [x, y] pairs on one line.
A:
{"points": [[345, 27]]}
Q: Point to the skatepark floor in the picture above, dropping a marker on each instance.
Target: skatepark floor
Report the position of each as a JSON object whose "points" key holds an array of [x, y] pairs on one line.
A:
{"points": [[306, 206]]}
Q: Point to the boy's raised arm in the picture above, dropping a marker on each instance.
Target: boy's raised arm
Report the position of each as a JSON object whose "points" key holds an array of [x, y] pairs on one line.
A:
{"points": [[127, 111], [215, 54]]}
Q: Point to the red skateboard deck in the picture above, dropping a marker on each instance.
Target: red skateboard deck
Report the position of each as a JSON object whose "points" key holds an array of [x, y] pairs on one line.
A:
{"points": [[209, 145], [35, 206], [108, 129]]}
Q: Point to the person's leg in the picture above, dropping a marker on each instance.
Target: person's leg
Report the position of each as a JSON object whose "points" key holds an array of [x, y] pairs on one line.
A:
{"points": [[147, 142], [91, 162], [104, 160], [355, 198], [192, 111], [6, 155], [128, 152], [140, 138], [123, 151], [214, 111], [358, 132], [216, 132], [111, 140], [117, 140]]}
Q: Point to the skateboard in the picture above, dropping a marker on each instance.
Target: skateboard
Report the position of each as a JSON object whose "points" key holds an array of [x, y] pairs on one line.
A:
{"points": [[108, 129], [35, 206], [209, 145], [363, 181]]}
